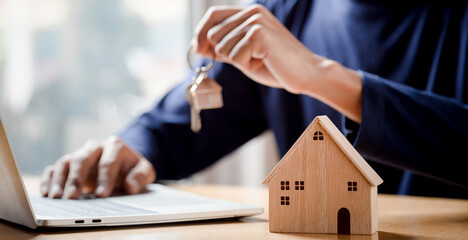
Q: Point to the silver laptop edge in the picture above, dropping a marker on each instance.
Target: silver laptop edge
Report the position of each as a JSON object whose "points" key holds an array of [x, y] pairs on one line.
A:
{"points": [[14, 202], [16, 207]]}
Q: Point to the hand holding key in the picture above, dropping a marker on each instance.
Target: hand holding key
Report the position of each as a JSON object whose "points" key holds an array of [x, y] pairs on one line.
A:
{"points": [[255, 42], [203, 93]]}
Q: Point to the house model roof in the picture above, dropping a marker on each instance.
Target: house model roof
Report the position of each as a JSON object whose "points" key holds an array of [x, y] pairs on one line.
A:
{"points": [[340, 140], [204, 83]]}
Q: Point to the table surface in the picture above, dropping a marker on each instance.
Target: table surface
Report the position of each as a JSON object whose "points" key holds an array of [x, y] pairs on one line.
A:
{"points": [[400, 217]]}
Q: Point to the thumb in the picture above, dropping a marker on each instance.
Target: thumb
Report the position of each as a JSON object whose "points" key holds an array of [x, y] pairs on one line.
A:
{"points": [[139, 176]]}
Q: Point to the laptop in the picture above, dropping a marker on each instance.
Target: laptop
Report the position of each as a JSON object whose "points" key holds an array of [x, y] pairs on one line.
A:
{"points": [[158, 204]]}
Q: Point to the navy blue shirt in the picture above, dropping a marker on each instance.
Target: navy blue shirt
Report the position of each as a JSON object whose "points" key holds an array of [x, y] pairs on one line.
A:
{"points": [[414, 129]]}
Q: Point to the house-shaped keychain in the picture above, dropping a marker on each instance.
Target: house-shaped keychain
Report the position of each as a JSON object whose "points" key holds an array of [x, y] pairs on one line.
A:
{"points": [[323, 185], [206, 93]]}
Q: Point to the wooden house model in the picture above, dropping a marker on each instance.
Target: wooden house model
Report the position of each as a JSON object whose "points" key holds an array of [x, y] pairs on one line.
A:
{"points": [[206, 93], [323, 185]]}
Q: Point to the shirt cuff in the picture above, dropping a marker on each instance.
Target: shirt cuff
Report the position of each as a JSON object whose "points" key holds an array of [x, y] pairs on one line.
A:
{"points": [[364, 137]]}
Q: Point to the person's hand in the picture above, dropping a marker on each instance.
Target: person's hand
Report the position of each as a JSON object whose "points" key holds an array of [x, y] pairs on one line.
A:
{"points": [[100, 168], [255, 42]]}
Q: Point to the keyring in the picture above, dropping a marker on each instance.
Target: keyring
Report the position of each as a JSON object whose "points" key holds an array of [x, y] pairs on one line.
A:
{"points": [[207, 67]]}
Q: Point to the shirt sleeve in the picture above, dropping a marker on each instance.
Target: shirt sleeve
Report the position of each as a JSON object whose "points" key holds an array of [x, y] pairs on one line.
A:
{"points": [[412, 129], [164, 137]]}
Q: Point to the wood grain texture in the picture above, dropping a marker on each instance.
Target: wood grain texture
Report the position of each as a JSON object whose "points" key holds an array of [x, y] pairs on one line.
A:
{"points": [[400, 218], [326, 170], [349, 151], [342, 142]]}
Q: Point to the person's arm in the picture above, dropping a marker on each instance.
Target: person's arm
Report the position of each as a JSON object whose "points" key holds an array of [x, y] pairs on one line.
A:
{"points": [[400, 126], [160, 143], [413, 129], [254, 41], [163, 135]]}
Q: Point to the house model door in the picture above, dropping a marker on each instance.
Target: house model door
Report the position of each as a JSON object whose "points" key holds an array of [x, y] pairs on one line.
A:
{"points": [[344, 222]]}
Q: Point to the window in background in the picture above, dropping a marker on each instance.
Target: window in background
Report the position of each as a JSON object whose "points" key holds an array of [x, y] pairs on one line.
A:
{"points": [[70, 70]]}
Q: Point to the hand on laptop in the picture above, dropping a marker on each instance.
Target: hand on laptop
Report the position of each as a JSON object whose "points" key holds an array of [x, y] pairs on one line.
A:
{"points": [[99, 167]]}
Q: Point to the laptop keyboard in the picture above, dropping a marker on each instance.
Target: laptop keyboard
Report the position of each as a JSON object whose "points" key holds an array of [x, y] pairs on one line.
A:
{"points": [[89, 208]]}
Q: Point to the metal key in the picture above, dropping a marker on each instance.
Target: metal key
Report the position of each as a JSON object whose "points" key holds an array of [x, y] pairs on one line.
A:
{"points": [[195, 119], [203, 93]]}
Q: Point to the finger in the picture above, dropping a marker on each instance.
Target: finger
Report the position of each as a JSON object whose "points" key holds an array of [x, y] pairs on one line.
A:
{"points": [[251, 61], [59, 176], [248, 53], [46, 179], [90, 183], [80, 167], [227, 43], [219, 31], [140, 175], [224, 38], [224, 48], [109, 166], [213, 16]]}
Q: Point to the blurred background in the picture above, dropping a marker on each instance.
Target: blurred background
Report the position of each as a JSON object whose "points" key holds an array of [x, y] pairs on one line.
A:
{"points": [[72, 70]]}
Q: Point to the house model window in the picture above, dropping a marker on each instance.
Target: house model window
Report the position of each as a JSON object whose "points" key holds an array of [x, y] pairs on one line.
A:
{"points": [[318, 136], [352, 186], [299, 185], [284, 185], [284, 200]]}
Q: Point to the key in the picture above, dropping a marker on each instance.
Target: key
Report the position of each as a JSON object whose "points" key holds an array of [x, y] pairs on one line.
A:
{"points": [[195, 119], [203, 93]]}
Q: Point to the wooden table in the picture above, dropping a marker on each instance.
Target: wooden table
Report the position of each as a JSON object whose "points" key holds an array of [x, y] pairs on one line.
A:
{"points": [[400, 217]]}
